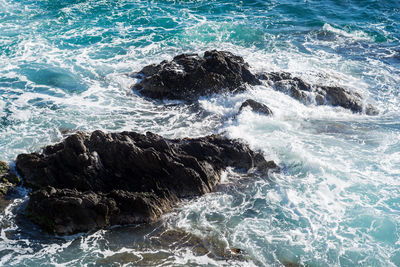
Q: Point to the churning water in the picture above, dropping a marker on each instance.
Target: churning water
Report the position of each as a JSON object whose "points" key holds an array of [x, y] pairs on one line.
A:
{"points": [[63, 67]]}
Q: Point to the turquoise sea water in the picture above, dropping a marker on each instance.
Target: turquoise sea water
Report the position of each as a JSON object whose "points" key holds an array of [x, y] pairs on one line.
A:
{"points": [[63, 67]]}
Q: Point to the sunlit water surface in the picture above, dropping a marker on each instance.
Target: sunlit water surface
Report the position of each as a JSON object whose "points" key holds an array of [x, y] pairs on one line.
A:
{"points": [[63, 67]]}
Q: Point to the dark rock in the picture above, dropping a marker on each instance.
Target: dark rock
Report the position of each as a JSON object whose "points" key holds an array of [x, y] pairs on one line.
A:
{"points": [[8, 181], [189, 76], [371, 110], [11, 178], [102, 179], [321, 95], [284, 82], [5, 188], [338, 96], [319, 99], [66, 211], [256, 107]]}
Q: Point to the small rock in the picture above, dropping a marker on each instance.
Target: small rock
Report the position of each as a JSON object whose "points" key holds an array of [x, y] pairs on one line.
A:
{"points": [[256, 107], [371, 110], [319, 99], [236, 250]]}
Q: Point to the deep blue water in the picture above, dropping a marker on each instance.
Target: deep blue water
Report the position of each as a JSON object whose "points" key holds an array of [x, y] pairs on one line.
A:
{"points": [[63, 67]]}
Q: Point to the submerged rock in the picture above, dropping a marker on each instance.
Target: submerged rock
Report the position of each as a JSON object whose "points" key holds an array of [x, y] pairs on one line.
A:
{"points": [[119, 259], [189, 76], [158, 248], [256, 107], [287, 263], [321, 95], [92, 181], [211, 245], [177, 239]]}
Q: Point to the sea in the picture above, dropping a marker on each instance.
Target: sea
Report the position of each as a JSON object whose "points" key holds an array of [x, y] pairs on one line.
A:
{"points": [[65, 66]]}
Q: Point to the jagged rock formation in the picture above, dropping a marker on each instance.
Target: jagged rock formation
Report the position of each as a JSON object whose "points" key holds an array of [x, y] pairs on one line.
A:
{"points": [[189, 76], [321, 95], [92, 181]]}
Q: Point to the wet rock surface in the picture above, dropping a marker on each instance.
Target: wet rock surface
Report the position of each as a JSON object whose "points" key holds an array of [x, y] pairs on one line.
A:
{"points": [[66, 211], [318, 94], [92, 181], [256, 107], [189, 76], [8, 181]]}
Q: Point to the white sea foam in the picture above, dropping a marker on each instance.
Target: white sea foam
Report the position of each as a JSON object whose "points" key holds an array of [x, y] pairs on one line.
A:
{"points": [[336, 199], [355, 35]]}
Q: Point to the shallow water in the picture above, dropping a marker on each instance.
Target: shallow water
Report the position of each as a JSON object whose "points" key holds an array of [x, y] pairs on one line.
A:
{"points": [[63, 67]]}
